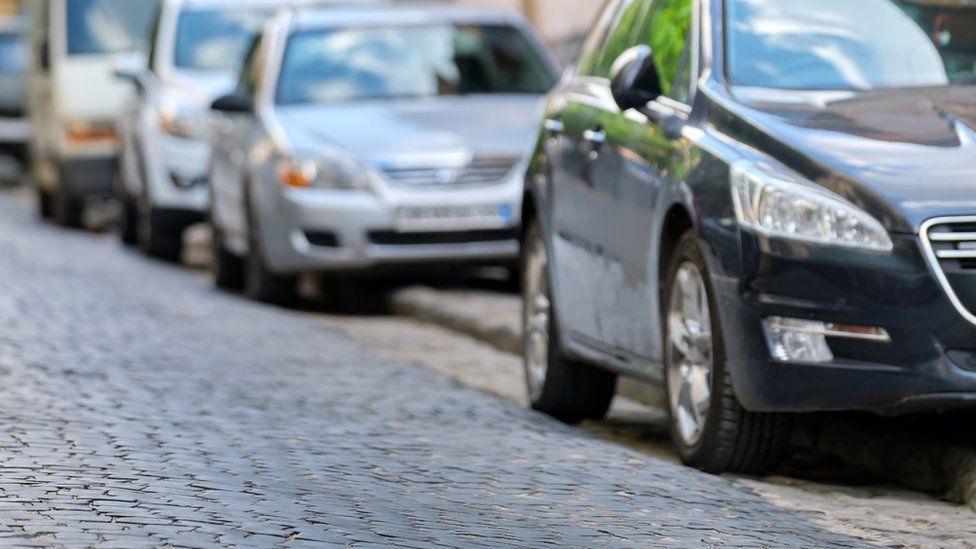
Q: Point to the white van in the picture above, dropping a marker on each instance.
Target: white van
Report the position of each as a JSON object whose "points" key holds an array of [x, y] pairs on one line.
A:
{"points": [[75, 98]]}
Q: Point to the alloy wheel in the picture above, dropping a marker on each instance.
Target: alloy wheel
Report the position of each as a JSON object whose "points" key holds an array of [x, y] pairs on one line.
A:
{"points": [[689, 353], [536, 317]]}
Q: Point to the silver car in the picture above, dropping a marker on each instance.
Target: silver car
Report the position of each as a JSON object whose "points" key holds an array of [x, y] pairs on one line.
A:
{"points": [[367, 138]]}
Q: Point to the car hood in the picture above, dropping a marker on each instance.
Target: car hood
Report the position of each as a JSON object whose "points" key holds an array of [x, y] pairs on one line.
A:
{"points": [[438, 131], [905, 155]]}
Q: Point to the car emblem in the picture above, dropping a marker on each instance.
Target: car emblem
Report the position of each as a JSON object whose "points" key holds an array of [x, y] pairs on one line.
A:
{"points": [[447, 176]]}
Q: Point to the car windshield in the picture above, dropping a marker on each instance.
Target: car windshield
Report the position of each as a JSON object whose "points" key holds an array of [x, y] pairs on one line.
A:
{"points": [[851, 44], [410, 61], [108, 26], [13, 54], [216, 40]]}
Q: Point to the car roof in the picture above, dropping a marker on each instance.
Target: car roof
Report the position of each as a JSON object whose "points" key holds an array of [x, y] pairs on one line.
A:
{"points": [[378, 13]]}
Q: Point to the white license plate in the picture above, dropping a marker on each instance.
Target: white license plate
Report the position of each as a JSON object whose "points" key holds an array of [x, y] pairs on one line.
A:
{"points": [[447, 218]]}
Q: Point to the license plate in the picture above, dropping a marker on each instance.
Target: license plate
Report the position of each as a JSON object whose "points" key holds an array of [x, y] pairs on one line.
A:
{"points": [[447, 218]]}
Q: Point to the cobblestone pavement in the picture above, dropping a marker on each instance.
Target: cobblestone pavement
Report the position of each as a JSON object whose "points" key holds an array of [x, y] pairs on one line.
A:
{"points": [[140, 407]]}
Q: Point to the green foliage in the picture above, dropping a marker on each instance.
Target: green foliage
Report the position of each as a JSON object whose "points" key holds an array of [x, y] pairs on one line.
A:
{"points": [[667, 34]]}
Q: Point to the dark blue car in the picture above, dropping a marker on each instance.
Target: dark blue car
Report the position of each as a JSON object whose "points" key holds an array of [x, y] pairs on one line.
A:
{"points": [[765, 207]]}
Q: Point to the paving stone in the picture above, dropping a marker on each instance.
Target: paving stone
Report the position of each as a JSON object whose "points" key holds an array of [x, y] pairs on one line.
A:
{"points": [[142, 408]]}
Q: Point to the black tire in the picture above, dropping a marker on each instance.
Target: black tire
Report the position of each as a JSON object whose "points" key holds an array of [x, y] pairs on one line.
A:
{"points": [[228, 269], [158, 235], [45, 204], [128, 222], [733, 439], [68, 210], [573, 391], [260, 283]]}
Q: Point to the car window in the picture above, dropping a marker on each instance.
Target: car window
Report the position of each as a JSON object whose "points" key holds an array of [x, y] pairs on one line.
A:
{"points": [[667, 31], [108, 26], [250, 73], [426, 60], [845, 45], [14, 53], [589, 53], [622, 35], [216, 40]]}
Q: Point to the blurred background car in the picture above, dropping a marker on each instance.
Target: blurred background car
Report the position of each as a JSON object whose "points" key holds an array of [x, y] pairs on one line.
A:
{"points": [[197, 49], [74, 98], [14, 125], [383, 136]]}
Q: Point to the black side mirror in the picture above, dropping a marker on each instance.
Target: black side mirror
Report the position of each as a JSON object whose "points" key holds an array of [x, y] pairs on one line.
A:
{"points": [[634, 79], [235, 102]]}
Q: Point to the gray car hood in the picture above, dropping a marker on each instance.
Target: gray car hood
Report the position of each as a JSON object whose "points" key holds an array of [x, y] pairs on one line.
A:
{"points": [[418, 131]]}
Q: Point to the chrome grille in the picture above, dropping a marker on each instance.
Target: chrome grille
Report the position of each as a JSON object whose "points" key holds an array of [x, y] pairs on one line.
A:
{"points": [[950, 244], [479, 172]]}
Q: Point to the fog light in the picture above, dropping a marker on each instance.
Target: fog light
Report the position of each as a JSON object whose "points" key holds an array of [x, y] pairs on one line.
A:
{"points": [[794, 340]]}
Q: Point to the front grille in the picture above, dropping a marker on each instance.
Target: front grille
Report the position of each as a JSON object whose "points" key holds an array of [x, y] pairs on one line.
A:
{"points": [[392, 238], [950, 244], [324, 239], [479, 172]]}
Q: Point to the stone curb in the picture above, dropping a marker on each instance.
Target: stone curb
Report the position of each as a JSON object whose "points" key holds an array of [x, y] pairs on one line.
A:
{"points": [[881, 446]]}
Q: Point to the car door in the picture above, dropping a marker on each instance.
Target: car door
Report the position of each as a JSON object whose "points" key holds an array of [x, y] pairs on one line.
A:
{"points": [[576, 206], [638, 159], [228, 173]]}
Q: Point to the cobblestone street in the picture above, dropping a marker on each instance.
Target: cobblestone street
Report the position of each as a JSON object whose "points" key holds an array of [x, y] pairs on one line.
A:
{"points": [[141, 407]]}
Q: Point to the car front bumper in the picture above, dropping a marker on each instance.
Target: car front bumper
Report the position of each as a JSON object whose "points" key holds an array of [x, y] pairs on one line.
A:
{"points": [[930, 361], [337, 230], [176, 171]]}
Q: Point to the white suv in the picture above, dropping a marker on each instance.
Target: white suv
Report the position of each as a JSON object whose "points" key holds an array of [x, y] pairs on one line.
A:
{"points": [[196, 50]]}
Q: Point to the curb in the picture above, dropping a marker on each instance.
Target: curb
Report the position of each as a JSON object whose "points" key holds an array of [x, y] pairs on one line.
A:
{"points": [[900, 452]]}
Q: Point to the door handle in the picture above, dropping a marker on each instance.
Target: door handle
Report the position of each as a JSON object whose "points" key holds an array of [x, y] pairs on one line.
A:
{"points": [[553, 127], [596, 138]]}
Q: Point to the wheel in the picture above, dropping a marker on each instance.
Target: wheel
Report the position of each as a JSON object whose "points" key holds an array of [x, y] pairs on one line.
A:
{"points": [[260, 283], [67, 208], [568, 390], [228, 269], [158, 236], [128, 223], [45, 204], [709, 427]]}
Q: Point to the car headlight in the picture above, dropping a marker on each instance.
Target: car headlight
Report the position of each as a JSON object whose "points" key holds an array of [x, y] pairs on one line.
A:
{"points": [[183, 123], [772, 205], [327, 171]]}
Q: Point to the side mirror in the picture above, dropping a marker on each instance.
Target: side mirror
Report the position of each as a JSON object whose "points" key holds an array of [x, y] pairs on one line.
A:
{"points": [[235, 102], [634, 79], [132, 69]]}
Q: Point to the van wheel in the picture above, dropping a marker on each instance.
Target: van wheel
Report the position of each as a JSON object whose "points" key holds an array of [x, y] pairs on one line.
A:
{"points": [[260, 283], [155, 234], [710, 428], [67, 209], [45, 204], [228, 269], [128, 224], [568, 390]]}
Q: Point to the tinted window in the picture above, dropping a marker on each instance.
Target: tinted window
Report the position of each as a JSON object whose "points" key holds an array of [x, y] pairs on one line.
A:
{"points": [[410, 61], [621, 37], [13, 54], [590, 52], [842, 44], [216, 40], [668, 32], [108, 26]]}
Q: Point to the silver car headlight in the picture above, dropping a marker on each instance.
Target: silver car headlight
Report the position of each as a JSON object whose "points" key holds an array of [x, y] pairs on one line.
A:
{"points": [[182, 122], [772, 205], [335, 170]]}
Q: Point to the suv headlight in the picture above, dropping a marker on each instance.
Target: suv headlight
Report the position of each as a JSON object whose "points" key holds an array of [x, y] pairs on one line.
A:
{"points": [[334, 170], [774, 206]]}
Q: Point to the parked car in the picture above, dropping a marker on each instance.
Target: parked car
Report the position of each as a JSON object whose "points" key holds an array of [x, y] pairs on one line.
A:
{"points": [[196, 54], [760, 213], [364, 139], [74, 99], [14, 126]]}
